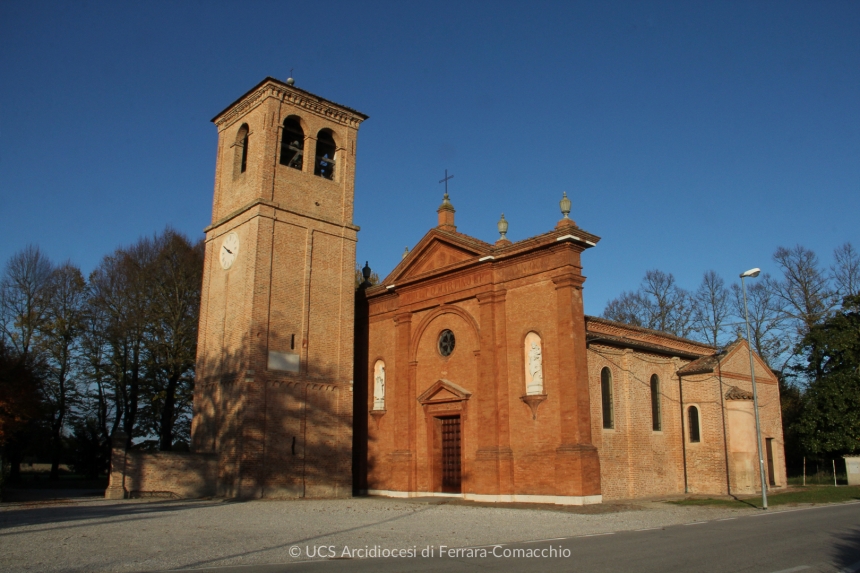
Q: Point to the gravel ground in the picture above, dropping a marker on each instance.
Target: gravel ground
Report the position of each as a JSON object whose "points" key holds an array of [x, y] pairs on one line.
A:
{"points": [[156, 535]]}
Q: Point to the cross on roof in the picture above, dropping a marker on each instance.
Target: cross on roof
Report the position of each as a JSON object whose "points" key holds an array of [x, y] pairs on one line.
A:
{"points": [[445, 181]]}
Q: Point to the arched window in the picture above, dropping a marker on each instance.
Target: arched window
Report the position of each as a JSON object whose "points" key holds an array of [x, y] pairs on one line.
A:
{"points": [[240, 151], [324, 165], [656, 414], [606, 394], [292, 143], [693, 415]]}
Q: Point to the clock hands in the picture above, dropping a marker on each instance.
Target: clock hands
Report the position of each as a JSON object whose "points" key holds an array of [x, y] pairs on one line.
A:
{"points": [[228, 250]]}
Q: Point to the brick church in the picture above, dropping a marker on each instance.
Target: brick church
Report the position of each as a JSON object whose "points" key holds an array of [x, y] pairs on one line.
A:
{"points": [[471, 370]]}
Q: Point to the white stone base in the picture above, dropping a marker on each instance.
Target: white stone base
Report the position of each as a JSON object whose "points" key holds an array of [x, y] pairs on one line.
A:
{"points": [[511, 498]]}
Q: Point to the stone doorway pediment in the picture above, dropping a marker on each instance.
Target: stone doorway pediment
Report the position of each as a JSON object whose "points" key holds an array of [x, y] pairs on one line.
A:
{"points": [[443, 391]]}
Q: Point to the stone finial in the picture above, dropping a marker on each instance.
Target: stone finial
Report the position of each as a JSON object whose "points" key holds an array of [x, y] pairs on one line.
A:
{"points": [[405, 252], [564, 204], [366, 271], [503, 228], [446, 215]]}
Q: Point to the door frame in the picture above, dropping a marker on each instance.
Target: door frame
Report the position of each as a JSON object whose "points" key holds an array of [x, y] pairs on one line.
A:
{"points": [[444, 399]]}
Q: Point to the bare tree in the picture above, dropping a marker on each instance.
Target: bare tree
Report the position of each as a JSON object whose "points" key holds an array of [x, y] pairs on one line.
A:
{"points": [[670, 307], [805, 292], [23, 296], [176, 275], [846, 271], [99, 399], [629, 308], [58, 339], [121, 291], [659, 304], [766, 320], [711, 308]]}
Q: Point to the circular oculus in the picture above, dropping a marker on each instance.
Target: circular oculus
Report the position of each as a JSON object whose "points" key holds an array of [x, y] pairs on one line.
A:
{"points": [[446, 343]]}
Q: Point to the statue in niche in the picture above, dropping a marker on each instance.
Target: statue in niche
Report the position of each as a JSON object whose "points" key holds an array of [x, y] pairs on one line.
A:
{"points": [[379, 388], [535, 366]]}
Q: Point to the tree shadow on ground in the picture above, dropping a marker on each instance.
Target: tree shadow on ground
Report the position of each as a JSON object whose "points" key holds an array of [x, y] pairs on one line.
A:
{"points": [[302, 541], [848, 550], [68, 514]]}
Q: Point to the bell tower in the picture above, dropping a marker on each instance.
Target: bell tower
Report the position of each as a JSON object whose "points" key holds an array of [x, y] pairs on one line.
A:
{"points": [[273, 390]]}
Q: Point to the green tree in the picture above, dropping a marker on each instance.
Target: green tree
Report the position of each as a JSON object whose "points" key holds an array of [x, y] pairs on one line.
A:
{"points": [[830, 421]]}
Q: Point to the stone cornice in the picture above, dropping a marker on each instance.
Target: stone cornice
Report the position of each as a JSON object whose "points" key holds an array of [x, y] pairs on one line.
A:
{"points": [[279, 207], [271, 87]]}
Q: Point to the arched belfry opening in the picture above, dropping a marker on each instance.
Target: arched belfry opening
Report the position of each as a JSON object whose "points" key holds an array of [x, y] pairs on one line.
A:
{"points": [[240, 151], [325, 155], [292, 143]]}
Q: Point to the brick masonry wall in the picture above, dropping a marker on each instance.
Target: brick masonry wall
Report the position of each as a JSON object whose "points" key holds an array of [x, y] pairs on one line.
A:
{"points": [[184, 475], [635, 460]]}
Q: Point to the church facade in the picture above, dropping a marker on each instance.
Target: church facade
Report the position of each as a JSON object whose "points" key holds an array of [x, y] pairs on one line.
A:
{"points": [[470, 371], [486, 380]]}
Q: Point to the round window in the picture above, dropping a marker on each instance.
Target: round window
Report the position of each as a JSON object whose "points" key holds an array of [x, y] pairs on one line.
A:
{"points": [[446, 343]]}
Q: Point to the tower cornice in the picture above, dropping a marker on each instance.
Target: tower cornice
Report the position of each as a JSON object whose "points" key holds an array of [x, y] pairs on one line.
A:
{"points": [[270, 87]]}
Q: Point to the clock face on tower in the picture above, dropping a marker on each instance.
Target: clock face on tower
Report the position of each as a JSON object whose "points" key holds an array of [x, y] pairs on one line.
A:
{"points": [[229, 250]]}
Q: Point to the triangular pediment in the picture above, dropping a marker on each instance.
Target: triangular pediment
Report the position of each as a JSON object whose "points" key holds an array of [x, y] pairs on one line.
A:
{"points": [[437, 251], [443, 391], [436, 256]]}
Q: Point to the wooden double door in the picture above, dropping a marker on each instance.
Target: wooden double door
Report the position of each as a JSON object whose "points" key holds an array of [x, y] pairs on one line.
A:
{"points": [[448, 458]]}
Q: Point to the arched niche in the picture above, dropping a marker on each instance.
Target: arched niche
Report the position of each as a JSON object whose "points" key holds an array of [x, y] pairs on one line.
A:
{"points": [[533, 353], [379, 385]]}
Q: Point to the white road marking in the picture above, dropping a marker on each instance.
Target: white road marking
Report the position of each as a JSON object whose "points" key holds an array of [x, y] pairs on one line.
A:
{"points": [[596, 534], [793, 569], [550, 539], [727, 519], [648, 529]]}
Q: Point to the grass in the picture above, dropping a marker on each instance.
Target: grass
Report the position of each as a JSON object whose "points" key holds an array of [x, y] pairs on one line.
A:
{"points": [[820, 478], [808, 494]]}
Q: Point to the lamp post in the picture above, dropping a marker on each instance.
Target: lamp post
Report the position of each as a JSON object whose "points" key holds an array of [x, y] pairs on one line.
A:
{"points": [[752, 273]]}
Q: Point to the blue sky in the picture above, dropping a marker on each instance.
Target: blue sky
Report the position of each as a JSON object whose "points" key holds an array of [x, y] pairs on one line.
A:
{"points": [[689, 135]]}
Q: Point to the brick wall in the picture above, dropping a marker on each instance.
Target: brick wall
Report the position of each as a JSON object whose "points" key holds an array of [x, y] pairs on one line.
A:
{"points": [[160, 474], [185, 475]]}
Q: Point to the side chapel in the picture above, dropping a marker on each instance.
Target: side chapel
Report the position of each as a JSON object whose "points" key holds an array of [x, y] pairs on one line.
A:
{"points": [[471, 370]]}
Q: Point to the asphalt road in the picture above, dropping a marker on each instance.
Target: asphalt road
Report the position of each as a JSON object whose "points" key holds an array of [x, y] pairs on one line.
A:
{"points": [[810, 539]]}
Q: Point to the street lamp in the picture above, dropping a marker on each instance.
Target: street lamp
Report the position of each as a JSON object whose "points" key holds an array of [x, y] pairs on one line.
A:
{"points": [[752, 273]]}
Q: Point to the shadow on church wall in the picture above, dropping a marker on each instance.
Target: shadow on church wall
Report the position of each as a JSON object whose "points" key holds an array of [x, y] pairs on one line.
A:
{"points": [[260, 433]]}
